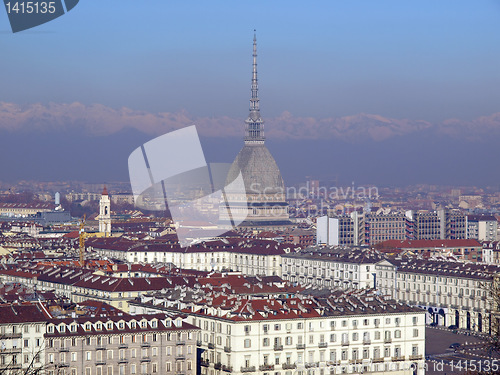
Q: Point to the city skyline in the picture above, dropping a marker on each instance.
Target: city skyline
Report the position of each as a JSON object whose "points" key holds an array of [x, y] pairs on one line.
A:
{"points": [[341, 82]]}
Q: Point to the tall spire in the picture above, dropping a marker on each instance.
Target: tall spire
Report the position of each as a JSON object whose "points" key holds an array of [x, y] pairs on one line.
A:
{"points": [[254, 130]]}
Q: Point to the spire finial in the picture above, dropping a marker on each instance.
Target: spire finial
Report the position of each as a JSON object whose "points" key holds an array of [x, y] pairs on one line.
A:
{"points": [[254, 123]]}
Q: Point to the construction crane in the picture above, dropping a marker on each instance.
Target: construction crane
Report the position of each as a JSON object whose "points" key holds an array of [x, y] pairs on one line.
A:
{"points": [[82, 240]]}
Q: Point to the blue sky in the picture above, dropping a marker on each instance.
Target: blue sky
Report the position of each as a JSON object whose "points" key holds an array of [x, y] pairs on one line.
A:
{"points": [[428, 60], [414, 64]]}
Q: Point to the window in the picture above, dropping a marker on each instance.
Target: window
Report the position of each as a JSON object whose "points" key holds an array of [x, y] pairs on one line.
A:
{"points": [[277, 327], [397, 334], [415, 320], [265, 342], [387, 352], [247, 329], [247, 343], [415, 332], [88, 356]]}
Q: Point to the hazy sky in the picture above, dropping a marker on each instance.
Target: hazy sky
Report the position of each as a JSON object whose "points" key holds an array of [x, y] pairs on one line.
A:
{"points": [[427, 69], [429, 60]]}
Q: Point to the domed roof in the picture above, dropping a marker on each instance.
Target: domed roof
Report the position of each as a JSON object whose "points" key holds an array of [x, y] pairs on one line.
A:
{"points": [[259, 170]]}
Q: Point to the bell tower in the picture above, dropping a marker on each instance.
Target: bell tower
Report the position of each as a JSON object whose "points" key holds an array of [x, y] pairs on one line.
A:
{"points": [[105, 213]]}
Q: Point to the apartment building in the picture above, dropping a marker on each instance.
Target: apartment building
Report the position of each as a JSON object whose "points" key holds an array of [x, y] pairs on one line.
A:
{"points": [[374, 227], [250, 256], [452, 293], [339, 333], [120, 345], [346, 268], [22, 329], [482, 227], [82, 284]]}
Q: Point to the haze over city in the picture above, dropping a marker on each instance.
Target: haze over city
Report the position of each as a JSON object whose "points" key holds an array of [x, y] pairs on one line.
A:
{"points": [[377, 92]]}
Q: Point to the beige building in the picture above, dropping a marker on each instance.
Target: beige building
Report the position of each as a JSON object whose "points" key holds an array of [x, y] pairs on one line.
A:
{"points": [[122, 345], [451, 293], [22, 329], [344, 333]]}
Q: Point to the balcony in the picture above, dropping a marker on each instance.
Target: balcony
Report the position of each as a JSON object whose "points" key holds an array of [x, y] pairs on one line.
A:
{"points": [[266, 367], [311, 364], [289, 366], [278, 347], [416, 357], [146, 359], [345, 343], [100, 362], [367, 341], [333, 363], [387, 340], [227, 349], [227, 368], [123, 360], [355, 361], [12, 351], [398, 359], [204, 363], [301, 346], [377, 360], [98, 347], [323, 345], [211, 345], [145, 345], [181, 342], [218, 366], [248, 369], [11, 336], [122, 346], [198, 342], [180, 357], [63, 364]]}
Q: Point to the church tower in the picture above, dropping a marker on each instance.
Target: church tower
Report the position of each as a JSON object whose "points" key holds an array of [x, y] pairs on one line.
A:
{"points": [[265, 190], [105, 213]]}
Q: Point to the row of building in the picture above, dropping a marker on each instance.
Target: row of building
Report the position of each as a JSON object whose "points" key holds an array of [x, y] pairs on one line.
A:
{"points": [[375, 227]]}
